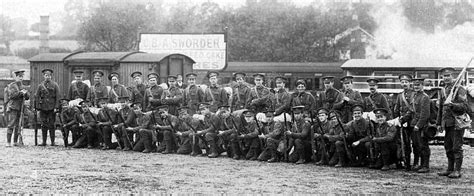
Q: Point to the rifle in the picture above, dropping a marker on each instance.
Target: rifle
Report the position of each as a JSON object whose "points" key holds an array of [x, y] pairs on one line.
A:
{"points": [[348, 152], [125, 125], [323, 143], [172, 129], [454, 90], [259, 131], [20, 121], [371, 146], [194, 135], [285, 138], [312, 134], [63, 131], [113, 129], [36, 125], [402, 145]]}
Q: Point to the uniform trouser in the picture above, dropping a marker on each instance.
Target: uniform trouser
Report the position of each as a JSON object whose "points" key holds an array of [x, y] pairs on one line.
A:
{"points": [[211, 139], [341, 150], [411, 141], [388, 152], [270, 150], [13, 117], [170, 141], [92, 135], [302, 150], [425, 151], [453, 141], [107, 135], [127, 137], [75, 131], [360, 152], [245, 146], [185, 147], [322, 150], [47, 118], [145, 142]]}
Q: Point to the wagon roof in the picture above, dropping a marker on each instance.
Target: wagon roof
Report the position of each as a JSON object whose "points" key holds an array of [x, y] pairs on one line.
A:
{"points": [[149, 57], [284, 66], [425, 64], [50, 57], [102, 57]]}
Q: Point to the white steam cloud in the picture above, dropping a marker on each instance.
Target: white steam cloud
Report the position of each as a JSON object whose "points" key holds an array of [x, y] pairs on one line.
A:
{"points": [[394, 38]]}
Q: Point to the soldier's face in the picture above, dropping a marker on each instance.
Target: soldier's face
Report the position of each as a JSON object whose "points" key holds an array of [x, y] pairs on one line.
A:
{"points": [[47, 76], [269, 118], [137, 108], [248, 119], [152, 81], [163, 113], [373, 88], [224, 113], [357, 115], [323, 117], [405, 84], [96, 79], [348, 85], [298, 114], [280, 84], [417, 87], [115, 80], [137, 80], [328, 84], [19, 78], [381, 118], [258, 81], [239, 80], [204, 111], [191, 81], [103, 104], [172, 83], [301, 88], [213, 80], [448, 78], [183, 114], [78, 77]]}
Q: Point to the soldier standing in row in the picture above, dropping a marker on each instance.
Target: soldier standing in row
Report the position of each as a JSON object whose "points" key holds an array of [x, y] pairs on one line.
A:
{"points": [[98, 90], [137, 93], [78, 89], [421, 118], [215, 95], [260, 98], [179, 82], [193, 94], [282, 97], [173, 97], [154, 93], [404, 110], [301, 97], [47, 102], [240, 93], [375, 99], [17, 93], [117, 90], [453, 108], [350, 99], [330, 96]]}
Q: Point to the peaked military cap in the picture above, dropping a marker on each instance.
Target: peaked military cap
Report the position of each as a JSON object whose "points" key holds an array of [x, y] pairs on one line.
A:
{"points": [[447, 71], [259, 75], [418, 81], [237, 74], [381, 111], [280, 79], [212, 74], [372, 81], [203, 105], [85, 102], [327, 79], [183, 108], [77, 72], [47, 70], [347, 79], [19, 72], [136, 104], [248, 112], [298, 82], [162, 107], [191, 75], [405, 77], [153, 75], [357, 107], [113, 74], [323, 111], [223, 106], [136, 74], [298, 108], [172, 78]]}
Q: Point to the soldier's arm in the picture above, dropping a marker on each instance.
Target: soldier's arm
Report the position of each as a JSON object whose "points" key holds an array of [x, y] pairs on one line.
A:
{"points": [[175, 100], [460, 104], [285, 106], [338, 102], [390, 136], [312, 102], [385, 105], [396, 107], [13, 93], [424, 112], [200, 94], [306, 129], [357, 99], [58, 95], [277, 130], [253, 131], [224, 97]]}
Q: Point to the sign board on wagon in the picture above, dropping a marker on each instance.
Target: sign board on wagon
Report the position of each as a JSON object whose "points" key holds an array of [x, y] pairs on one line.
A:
{"points": [[208, 50]]}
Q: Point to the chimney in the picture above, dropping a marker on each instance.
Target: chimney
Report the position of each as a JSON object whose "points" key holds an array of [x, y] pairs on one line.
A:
{"points": [[44, 34]]}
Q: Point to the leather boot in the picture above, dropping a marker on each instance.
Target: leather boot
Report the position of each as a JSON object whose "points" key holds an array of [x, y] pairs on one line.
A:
{"points": [[449, 170], [253, 155], [425, 162], [457, 169], [301, 159], [274, 157], [263, 155], [44, 134], [213, 149], [167, 145], [52, 136], [235, 151], [386, 165], [340, 163], [334, 159], [9, 140]]}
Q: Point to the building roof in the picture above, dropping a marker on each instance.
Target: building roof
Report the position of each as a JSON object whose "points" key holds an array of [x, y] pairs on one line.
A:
{"points": [[430, 64], [12, 60], [282, 67]]}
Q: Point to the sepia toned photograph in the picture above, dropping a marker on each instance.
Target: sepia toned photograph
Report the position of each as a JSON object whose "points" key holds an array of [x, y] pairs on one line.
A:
{"points": [[236, 97]]}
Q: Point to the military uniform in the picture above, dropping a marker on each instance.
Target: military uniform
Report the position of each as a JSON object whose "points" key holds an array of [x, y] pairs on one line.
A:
{"points": [[14, 107], [68, 118], [421, 103], [404, 110], [273, 134], [246, 141], [282, 98], [385, 142], [137, 92], [359, 132], [47, 100], [186, 126], [209, 130], [302, 98], [106, 119], [336, 141], [88, 125], [193, 95], [153, 94], [167, 125], [145, 130], [215, 95], [330, 96], [116, 90], [321, 143], [301, 134], [173, 97], [453, 139], [375, 100], [240, 93], [129, 120], [345, 107], [78, 89], [97, 91]]}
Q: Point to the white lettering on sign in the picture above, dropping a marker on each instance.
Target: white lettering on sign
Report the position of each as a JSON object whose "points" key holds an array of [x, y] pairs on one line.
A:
{"points": [[208, 50]]}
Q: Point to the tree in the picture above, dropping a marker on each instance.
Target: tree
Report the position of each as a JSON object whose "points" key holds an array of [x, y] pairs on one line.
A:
{"points": [[6, 33], [113, 27]]}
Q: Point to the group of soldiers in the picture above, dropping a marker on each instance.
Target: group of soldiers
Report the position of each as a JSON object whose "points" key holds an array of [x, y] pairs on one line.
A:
{"points": [[251, 122]]}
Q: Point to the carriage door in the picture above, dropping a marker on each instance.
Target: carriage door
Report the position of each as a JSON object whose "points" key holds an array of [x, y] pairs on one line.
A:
{"points": [[176, 66]]}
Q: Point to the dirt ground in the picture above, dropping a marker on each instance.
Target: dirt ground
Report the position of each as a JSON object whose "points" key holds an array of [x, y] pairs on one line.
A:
{"points": [[33, 169]]}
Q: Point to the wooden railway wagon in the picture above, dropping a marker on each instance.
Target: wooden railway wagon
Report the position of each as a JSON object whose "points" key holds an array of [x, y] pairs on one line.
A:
{"points": [[124, 63], [311, 72]]}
